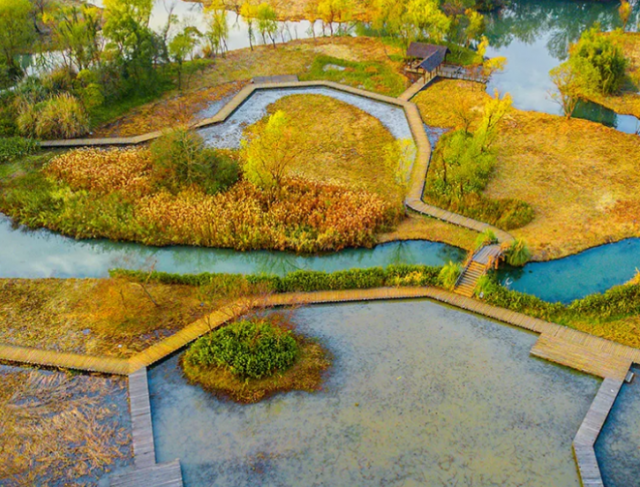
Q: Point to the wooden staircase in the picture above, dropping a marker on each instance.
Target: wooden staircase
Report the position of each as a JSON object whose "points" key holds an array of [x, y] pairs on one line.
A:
{"points": [[469, 278], [476, 267]]}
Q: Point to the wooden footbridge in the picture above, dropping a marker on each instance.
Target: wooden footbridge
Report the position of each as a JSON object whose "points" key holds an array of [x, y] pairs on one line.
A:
{"points": [[478, 265]]}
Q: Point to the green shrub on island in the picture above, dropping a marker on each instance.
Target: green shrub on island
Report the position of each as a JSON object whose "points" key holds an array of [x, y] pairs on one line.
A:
{"points": [[254, 358], [518, 253], [249, 349]]}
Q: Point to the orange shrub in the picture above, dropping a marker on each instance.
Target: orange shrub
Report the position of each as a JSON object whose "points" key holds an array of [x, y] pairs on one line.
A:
{"points": [[104, 171]]}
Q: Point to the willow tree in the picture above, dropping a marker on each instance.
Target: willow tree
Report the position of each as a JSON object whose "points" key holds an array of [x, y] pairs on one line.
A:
{"points": [[217, 31]]}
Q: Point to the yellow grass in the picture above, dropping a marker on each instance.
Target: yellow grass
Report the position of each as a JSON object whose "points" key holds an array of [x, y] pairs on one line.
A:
{"points": [[418, 227], [339, 144], [104, 317], [580, 177], [57, 428]]}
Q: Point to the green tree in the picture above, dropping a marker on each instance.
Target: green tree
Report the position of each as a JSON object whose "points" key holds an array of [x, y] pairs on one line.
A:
{"points": [[424, 19], [604, 54], [17, 31], [494, 111], [267, 22], [181, 46], [217, 28], [575, 79], [269, 152], [131, 43], [75, 31]]}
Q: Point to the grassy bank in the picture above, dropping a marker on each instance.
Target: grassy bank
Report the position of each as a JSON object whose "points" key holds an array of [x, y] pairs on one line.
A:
{"points": [[627, 101], [614, 314], [578, 176]]}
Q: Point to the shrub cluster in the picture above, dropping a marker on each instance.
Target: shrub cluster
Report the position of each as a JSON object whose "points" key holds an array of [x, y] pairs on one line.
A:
{"points": [[61, 116], [12, 148], [250, 349], [302, 280], [117, 194]]}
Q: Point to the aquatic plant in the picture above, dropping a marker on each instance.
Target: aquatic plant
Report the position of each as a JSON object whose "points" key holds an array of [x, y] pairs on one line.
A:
{"points": [[486, 237], [517, 253], [449, 274]]}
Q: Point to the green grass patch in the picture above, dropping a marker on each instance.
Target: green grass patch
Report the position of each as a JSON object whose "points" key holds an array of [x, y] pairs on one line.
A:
{"points": [[369, 75]]}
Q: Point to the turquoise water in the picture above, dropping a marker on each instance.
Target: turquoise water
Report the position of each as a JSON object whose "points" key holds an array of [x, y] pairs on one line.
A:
{"points": [[618, 446], [592, 271], [41, 253], [419, 394]]}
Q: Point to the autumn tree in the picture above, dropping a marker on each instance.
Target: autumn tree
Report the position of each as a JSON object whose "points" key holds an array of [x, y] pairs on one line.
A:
{"points": [[269, 152], [181, 46], [334, 11], [267, 22], [217, 28], [475, 26], [494, 111], [17, 31], [574, 79], [249, 12], [624, 10]]}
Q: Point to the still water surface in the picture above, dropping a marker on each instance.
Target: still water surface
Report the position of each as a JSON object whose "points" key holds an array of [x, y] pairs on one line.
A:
{"points": [[419, 394]]}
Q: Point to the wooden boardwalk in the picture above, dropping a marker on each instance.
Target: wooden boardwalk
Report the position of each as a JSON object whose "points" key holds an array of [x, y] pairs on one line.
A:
{"points": [[146, 472], [415, 88], [583, 443]]}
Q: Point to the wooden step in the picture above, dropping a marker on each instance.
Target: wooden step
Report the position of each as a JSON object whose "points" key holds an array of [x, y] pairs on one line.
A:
{"points": [[581, 357]]}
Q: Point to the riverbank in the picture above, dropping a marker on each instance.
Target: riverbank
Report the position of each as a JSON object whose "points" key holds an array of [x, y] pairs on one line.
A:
{"points": [[557, 166]]}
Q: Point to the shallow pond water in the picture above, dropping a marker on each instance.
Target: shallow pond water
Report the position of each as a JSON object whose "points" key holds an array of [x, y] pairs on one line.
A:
{"points": [[592, 271], [419, 394], [618, 446], [41, 253], [229, 133]]}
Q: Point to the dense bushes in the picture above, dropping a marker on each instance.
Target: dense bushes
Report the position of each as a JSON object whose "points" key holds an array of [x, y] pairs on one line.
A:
{"points": [[12, 148], [117, 194], [302, 280], [61, 116], [248, 349], [180, 158]]}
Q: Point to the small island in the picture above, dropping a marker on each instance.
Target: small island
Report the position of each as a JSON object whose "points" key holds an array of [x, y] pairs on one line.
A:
{"points": [[254, 358]]}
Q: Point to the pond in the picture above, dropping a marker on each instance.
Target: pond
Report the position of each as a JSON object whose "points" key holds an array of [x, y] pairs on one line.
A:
{"points": [[419, 394], [534, 36]]}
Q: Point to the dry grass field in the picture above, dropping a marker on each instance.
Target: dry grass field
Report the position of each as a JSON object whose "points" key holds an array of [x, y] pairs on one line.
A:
{"points": [[102, 317], [580, 177], [61, 429], [338, 144]]}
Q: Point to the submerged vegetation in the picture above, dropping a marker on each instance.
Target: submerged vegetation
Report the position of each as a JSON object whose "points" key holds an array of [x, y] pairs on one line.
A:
{"points": [[252, 359]]}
